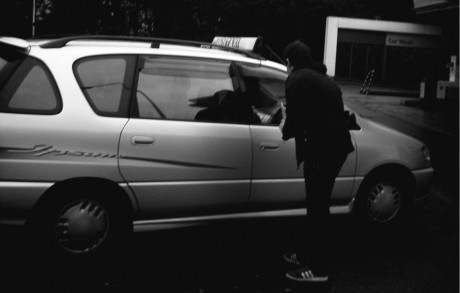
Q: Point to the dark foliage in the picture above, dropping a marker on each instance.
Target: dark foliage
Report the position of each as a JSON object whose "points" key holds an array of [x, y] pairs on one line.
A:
{"points": [[278, 21]]}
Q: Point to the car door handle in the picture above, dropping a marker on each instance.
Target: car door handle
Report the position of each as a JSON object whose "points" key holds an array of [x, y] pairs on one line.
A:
{"points": [[269, 146], [142, 140]]}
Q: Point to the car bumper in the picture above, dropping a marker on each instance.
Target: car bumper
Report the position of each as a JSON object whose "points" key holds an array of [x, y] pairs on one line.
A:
{"points": [[17, 200], [423, 180]]}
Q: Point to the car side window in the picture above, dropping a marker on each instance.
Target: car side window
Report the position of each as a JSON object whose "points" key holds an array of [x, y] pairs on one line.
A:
{"points": [[106, 82], [265, 88], [30, 89], [187, 89]]}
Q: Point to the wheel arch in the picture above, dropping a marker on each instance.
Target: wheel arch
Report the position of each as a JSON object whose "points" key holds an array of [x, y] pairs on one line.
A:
{"points": [[395, 174], [92, 184], [393, 169]]}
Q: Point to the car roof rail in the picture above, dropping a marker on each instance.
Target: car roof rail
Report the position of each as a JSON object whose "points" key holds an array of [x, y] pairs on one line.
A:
{"points": [[155, 42]]}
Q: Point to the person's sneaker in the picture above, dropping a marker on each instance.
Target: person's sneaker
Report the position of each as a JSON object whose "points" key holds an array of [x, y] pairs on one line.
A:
{"points": [[305, 274], [292, 257]]}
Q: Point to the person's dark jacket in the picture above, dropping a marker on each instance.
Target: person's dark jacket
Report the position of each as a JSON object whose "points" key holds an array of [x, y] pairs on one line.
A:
{"points": [[315, 115]]}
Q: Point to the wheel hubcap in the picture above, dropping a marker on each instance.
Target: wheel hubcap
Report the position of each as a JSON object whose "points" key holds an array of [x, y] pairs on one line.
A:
{"points": [[82, 226], [384, 202]]}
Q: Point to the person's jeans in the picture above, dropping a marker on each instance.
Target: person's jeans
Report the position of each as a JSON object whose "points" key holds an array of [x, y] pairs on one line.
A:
{"points": [[320, 172]]}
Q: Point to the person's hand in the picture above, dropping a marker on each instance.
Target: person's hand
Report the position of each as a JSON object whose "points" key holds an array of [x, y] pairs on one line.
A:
{"points": [[283, 110], [281, 126], [283, 114]]}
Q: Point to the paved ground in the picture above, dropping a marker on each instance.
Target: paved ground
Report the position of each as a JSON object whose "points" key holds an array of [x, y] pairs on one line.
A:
{"points": [[434, 122], [440, 116]]}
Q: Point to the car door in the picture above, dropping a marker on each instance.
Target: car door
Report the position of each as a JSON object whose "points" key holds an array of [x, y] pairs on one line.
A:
{"points": [[176, 164], [277, 183]]}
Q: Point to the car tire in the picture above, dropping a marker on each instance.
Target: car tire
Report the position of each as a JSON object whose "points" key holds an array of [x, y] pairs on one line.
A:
{"points": [[383, 200], [78, 223]]}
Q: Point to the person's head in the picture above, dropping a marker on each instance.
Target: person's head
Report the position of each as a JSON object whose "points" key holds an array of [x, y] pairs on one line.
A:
{"points": [[297, 55]]}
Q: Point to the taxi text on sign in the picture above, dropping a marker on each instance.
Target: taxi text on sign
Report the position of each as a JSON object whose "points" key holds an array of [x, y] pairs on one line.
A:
{"points": [[242, 43]]}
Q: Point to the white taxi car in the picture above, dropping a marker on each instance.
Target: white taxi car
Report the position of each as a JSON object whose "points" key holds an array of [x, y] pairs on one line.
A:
{"points": [[103, 135]]}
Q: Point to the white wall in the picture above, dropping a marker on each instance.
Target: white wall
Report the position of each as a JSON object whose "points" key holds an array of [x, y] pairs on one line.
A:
{"points": [[333, 24]]}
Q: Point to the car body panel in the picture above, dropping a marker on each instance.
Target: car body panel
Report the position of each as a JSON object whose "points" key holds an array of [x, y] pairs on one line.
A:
{"points": [[175, 172], [380, 145], [55, 149], [276, 174], [178, 174], [17, 200]]}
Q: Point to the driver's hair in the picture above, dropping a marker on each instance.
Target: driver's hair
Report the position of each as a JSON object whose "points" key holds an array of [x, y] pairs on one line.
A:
{"points": [[299, 55]]}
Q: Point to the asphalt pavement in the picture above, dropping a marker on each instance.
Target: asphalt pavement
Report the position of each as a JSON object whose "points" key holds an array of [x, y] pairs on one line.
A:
{"points": [[435, 122], [438, 115]]}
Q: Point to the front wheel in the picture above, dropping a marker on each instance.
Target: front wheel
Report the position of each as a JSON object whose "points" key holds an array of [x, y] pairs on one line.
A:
{"points": [[383, 200]]}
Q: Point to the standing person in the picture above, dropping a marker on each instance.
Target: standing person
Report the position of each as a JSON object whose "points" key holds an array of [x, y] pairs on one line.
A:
{"points": [[314, 117]]}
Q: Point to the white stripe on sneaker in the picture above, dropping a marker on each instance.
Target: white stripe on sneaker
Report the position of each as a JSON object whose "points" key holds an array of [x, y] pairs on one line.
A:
{"points": [[306, 275]]}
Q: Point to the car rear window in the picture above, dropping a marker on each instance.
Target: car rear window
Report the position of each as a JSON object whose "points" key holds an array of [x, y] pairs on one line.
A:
{"points": [[27, 87], [106, 82]]}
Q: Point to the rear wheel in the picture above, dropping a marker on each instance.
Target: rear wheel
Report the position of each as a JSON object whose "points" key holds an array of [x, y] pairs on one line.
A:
{"points": [[82, 226], [79, 223]]}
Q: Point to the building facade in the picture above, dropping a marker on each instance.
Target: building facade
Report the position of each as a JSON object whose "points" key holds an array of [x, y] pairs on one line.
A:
{"points": [[445, 14], [399, 54]]}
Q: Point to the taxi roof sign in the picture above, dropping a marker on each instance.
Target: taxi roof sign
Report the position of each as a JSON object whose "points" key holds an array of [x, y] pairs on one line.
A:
{"points": [[250, 44]]}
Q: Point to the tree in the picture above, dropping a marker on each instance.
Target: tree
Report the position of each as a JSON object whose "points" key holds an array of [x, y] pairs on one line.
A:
{"points": [[16, 18], [278, 21]]}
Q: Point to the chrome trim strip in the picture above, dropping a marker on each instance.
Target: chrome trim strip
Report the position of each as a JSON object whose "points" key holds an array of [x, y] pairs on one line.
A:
{"points": [[427, 170], [239, 181], [287, 180], [12, 222], [336, 210], [176, 163], [177, 183], [159, 224], [10, 184], [290, 180]]}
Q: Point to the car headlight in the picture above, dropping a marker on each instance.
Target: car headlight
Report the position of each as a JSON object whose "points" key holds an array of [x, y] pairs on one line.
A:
{"points": [[426, 154]]}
